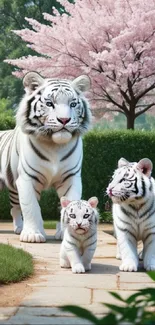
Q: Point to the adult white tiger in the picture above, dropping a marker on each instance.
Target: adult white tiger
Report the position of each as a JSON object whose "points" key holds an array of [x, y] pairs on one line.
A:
{"points": [[45, 148], [132, 191]]}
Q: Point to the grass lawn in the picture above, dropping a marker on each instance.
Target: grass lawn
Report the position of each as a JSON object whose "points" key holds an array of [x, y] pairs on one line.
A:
{"points": [[50, 224], [15, 264]]}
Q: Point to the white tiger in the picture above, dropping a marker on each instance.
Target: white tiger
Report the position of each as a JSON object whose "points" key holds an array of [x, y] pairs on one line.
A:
{"points": [[132, 191], [45, 148], [79, 223]]}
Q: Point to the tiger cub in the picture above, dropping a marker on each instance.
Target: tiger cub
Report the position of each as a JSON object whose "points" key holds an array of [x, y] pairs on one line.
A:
{"points": [[132, 191], [79, 223]]}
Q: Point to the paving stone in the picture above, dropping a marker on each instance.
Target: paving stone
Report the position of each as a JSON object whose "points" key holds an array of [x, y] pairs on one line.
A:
{"points": [[102, 296], [57, 296], [34, 320], [104, 281], [6, 312], [58, 286]]}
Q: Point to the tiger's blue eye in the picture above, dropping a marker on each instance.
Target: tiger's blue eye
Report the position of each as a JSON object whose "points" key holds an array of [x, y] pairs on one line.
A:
{"points": [[72, 215], [86, 215], [49, 104], [73, 104]]}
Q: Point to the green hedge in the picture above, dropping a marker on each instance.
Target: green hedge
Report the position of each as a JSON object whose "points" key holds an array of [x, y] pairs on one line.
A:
{"points": [[102, 150]]}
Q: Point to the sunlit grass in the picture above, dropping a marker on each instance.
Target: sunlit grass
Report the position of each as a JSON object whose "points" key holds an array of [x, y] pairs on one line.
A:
{"points": [[50, 224], [15, 264]]}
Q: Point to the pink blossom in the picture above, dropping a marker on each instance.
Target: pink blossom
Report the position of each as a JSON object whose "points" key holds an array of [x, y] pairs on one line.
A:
{"points": [[111, 41]]}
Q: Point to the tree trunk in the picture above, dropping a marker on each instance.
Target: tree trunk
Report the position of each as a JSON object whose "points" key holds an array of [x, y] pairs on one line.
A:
{"points": [[130, 121]]}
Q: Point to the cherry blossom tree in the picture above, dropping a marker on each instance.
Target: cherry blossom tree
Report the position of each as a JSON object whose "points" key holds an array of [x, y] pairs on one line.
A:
{"points": [[111, 41]]}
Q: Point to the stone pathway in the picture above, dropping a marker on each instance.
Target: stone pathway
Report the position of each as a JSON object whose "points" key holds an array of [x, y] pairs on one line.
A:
{"points": [[59, 287]]}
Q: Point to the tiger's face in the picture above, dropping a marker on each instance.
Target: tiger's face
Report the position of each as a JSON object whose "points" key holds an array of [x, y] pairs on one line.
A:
{"points": [[130, 181], [54, 109], [80, 216]]}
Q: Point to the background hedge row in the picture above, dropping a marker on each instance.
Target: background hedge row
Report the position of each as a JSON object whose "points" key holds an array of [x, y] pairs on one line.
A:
{"points": [[102, 150]]}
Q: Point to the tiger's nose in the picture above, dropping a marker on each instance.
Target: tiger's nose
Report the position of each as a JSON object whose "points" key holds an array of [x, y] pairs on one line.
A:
{"points": [[79, 224], [64, 121], [110, 192]]}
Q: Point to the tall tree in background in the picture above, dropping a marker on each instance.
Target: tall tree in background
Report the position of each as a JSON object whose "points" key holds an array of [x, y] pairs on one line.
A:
{"points": [[12, 16], [112, 41]]}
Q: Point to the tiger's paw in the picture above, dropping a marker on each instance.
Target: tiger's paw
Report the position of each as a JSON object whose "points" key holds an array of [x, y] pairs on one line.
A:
{"points": [[18, 230], [64, 263], [59, 233], [149, 265], [129, 266], [32, 237], [118, 256], [87, 267], [17, 225], [78, 268]]}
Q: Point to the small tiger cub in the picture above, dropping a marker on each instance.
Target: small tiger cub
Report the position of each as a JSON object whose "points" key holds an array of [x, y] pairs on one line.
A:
{"points": [[79, 223]]}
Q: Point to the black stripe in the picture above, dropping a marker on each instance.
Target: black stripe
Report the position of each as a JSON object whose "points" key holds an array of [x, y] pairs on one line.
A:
{"points": [[146, 211], [127, 231], [9, 175], [38, 153], [67, 171], [127, 223], [75, 238], [32, 176], [89, 237], [35, 170], [94, 242], [12, 192], [37, 191], [149, 227], [9, 135], [151, 185], [127, 213], [67, 190], [152, 233], [136, 187], [71, 151], [13, 202], [70, 175], [143, 188]]}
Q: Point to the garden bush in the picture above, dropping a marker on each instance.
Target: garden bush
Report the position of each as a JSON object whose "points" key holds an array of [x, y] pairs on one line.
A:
{"points": [[102, 150]]}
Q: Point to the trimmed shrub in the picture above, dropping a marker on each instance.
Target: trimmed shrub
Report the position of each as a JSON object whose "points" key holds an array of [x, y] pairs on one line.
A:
{"points": [[102, 150]]}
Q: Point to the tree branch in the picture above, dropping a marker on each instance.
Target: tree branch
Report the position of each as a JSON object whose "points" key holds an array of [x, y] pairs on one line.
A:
{"points": [[144, 110]]}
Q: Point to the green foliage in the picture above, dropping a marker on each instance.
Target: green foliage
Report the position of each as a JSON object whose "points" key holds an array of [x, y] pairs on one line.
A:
{"points": [[135, 310], [49, 203], [13, 15], [15, 264], [50, 224], [7, 119]]}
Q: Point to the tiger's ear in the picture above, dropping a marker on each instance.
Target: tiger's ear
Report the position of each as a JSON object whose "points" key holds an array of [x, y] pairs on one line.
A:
{"points": [[146, 166], [64, 202], [122, 162], [32, 81], [93, 201], [81, 83]]}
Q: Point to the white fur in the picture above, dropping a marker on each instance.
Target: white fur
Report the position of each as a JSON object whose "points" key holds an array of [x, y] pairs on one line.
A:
{"points": [[45, 148], [132, 191], [79, 224]]}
